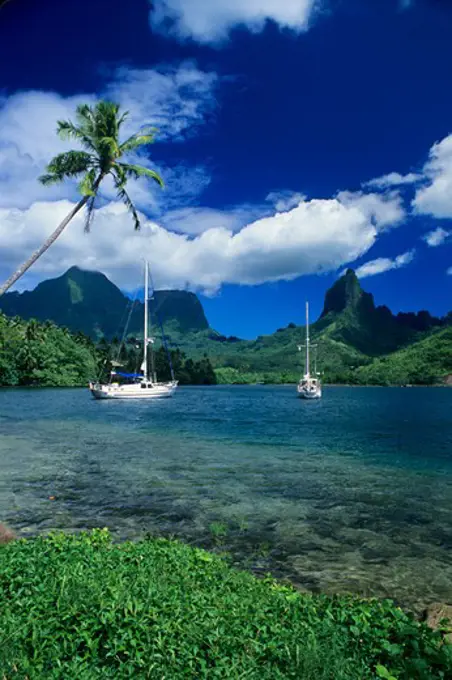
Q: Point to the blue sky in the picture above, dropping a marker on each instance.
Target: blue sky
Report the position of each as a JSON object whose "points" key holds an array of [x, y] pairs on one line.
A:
{"points": [[296, 138]]}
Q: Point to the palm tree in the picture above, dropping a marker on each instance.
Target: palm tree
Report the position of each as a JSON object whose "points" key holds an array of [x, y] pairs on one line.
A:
{"points": [[97, 130]]}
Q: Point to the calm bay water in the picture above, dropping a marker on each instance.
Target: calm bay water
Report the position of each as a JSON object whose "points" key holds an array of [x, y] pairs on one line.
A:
{"points": [[349, 494]]}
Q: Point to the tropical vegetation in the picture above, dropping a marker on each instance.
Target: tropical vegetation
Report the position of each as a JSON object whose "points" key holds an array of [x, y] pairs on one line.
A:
{"points": [[165, 362], [97, 130], [45, 355], [33, 353], [426, 362], [82, 607]]}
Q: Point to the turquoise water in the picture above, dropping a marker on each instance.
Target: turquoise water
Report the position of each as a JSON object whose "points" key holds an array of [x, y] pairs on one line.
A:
{"points": [[349, 494]]}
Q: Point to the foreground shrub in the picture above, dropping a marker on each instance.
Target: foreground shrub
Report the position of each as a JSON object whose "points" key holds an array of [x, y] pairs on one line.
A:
{"points": [[81, 607]]}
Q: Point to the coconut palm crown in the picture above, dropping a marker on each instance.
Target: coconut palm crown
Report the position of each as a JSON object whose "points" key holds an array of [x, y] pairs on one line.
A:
{"points": [[97, 130]]}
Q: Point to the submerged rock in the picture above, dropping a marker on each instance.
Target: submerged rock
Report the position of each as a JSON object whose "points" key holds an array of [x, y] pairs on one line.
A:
{"points": [[6, 535], [437, 613]]}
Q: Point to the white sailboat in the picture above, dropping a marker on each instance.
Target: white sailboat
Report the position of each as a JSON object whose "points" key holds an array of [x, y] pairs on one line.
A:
{"points": [[309, 387], [145, 385]]}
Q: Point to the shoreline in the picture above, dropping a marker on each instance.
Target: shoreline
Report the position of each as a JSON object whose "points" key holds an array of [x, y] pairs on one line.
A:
{"points": [[291, 384], [121, 610], [259, 565]]}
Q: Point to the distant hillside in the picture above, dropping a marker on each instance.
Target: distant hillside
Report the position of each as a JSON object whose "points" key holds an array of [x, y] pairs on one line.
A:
{"points": [[425, 362], [357, 341], [350, 333], [89, 302]]}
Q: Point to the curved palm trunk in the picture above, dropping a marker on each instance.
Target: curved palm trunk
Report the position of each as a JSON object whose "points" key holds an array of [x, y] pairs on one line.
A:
{"points": [[45, 246]]}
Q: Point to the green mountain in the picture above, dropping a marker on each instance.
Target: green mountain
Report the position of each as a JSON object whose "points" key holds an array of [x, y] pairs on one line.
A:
{"points": [[426, 361], [354, 339], [350, 316], [89, 302], [357, 341]]}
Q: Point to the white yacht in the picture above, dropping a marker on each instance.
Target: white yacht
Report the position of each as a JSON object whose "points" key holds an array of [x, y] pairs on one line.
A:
{"points": [[309, 386], [144, 385]]}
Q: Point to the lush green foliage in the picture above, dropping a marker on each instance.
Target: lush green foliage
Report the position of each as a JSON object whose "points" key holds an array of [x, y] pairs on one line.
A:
{"points": [[187, 371], [43, 354], [426, 362], [80, 607], [130, 356], [233, 376]]}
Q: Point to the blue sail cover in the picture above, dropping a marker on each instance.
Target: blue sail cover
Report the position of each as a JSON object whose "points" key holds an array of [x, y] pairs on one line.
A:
{"points": [[127, 375]]}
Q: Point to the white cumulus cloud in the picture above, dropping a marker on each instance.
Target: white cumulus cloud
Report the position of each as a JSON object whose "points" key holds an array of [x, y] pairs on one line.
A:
{"points": [[211, 20], [383, 210], [436, 197], [393, 179], [316, 236], [198, 219], [285, 200], [436, 237], [433, 183], [384, 264], [176, 99]]}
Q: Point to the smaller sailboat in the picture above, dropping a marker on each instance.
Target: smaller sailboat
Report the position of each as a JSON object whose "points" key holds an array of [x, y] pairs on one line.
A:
{"points": [[145, 384], [309, 387]]}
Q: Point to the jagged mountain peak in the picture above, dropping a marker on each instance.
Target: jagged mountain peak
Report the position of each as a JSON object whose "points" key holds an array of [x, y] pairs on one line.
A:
{"points": [[345, 293]]}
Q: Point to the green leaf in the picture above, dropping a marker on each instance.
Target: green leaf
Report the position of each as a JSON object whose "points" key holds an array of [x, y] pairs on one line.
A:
{"points": [[142, 138], [67, 165], [137, 171], [86, 186], [125, 198], [383, 672]]}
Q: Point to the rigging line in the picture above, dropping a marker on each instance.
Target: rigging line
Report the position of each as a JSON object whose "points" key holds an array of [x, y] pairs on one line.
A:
{"points": [[130, 305], [165, 343], [123, 315], [126, 327], [138, 359]]}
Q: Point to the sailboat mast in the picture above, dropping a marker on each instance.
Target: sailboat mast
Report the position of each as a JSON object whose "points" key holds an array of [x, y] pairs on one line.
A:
{"points": [[146, 319], [307, 338]]}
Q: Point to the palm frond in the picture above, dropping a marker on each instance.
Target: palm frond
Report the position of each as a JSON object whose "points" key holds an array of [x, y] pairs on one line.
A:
{"points": [[68, 164], [49, 179], [142, 138], [123, 118], [106, 118], [110, 144], [85, 117], [137, 171], [119, 175], [125, 198], [87, 186], [67, 130]]}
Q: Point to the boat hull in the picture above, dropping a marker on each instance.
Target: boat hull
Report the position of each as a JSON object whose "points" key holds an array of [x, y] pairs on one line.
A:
{"points": [[309, 388], [155, 391], [304, 394]]}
